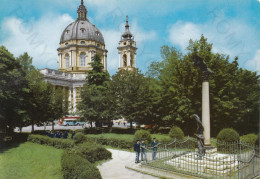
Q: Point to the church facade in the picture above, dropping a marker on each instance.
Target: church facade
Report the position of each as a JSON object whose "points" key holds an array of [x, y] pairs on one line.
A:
{"points": [[79, 43]]}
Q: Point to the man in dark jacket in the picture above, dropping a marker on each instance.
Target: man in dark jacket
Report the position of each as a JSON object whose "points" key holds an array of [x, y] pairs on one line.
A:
{"points": [[143, 152], [137, 150], [154, 147]]}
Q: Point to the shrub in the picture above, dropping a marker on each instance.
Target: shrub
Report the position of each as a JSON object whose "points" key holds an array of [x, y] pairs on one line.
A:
{"points": [[113, 142], [79, 138], [57, 143], [249, 138], [228, 135], [143, 134], [176, 133], [227, 140], [91, 152], [74, 166]]}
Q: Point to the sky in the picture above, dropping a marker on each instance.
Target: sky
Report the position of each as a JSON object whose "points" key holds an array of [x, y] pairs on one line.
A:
{"points": [[233, 26]]}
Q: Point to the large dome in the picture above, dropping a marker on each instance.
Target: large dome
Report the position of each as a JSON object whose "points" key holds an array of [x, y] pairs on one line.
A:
{"points": [[82, 30]]}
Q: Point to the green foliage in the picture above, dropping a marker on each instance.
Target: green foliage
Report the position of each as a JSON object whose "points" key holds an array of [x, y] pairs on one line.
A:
{"points": [[143, 134], [74, 166], [176, 133], [124, 141], [79, 138], [13, 88], [130, 90], [97, 104], [91, 151], [249, 138], [234, 92], [57, 143], [228, 135]]}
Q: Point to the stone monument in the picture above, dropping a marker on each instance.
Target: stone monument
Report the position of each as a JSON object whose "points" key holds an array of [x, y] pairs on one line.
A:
{"points": [[199, 62]]}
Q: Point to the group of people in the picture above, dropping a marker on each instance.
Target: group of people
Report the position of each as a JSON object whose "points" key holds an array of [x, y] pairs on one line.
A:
{"points": [[140, 147], [57, 134]]}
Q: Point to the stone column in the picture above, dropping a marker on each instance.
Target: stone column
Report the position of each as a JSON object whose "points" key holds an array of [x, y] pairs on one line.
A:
{"points": [[135, 61], [74, 99], [70, 59], [206, 112], [70, 103], [128, 58], [119, 60]]}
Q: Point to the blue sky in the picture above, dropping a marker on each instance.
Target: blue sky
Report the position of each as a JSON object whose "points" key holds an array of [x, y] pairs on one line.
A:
{"points": [[233, 26]]}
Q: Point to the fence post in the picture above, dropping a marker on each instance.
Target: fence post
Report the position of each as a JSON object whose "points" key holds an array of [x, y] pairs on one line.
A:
{"points": [[239, 159]]}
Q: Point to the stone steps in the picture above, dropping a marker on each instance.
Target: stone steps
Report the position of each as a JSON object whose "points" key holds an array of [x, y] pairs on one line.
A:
{"points": [[212, 163]]}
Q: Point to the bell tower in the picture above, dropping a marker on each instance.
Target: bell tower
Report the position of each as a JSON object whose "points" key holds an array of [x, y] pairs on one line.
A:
{"points": [[127, 50]]}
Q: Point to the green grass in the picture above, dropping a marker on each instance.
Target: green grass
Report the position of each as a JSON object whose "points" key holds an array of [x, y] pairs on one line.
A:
{"points": [[30, 160], [127, 137]]}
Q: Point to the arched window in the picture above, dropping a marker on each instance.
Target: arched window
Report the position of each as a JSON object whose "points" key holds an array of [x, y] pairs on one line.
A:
{"points": [[67, 57], [82, 59], [125, 60]]}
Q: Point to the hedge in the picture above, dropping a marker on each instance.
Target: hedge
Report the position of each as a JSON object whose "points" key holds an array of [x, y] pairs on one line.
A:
{"points": [[54, 142], [143, 134], [249, 138], [91, 152], [117, 143], [74, 166], [102, 130], [176, 133]]}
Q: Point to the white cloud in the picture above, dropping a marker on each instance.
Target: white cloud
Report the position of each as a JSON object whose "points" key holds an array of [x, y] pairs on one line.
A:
{"points": [[229, 36], [39, 38], [254, 64]]}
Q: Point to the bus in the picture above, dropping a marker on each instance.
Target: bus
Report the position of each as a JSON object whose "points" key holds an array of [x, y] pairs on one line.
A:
{"points": [[71, 121]]}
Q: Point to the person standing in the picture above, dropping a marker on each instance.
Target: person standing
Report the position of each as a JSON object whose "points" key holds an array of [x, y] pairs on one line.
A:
{"points": [[143, 152], [154, 147], [137, 150]]}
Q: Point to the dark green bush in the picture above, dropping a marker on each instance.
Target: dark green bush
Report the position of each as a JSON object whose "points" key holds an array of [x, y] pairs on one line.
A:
{"points": [[54, 142], [74, 166], [228, 135], [117, 143], [100, 130], [176, 133], [227, 141], [143, 134], [91, 151], [249, 138], [79, 138]]}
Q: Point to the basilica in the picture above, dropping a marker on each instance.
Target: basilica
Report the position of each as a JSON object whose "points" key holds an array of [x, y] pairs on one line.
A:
{"points": [[79, 42]]}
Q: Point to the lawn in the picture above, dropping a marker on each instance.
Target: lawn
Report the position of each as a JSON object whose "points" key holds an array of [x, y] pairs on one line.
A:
{"points": [[30, 160], [127, 137]]}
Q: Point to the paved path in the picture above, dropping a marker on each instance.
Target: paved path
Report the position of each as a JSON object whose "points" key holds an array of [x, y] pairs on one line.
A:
{"points": [[115, 168]]}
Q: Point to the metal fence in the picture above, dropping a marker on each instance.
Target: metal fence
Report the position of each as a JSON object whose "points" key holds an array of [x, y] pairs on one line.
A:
{"points": [[225, 160]]}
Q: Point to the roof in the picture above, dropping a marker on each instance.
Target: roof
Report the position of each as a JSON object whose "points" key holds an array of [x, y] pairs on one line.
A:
{"points": [[82, 30]]}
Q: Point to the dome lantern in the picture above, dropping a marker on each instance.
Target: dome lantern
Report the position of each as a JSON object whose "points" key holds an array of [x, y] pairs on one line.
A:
{"points": [[82, 12]]}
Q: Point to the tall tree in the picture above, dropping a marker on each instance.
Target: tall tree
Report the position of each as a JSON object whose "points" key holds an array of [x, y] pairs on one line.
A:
{"points": [[12, 90], [234, 92], [94, 104], [130, 89]]}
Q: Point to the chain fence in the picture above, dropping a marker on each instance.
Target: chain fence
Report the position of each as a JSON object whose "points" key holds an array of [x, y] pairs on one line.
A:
{"points": [[222, 160]]}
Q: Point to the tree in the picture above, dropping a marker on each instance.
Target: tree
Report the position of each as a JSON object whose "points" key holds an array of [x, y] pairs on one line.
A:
{"points": [[12, 90], [95, 103], [234, 92], [130, 89], [43, 103]]}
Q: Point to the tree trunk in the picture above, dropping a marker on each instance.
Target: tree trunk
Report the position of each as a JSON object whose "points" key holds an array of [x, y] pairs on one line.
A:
{"points": [[53, 125], [32, 126]]}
